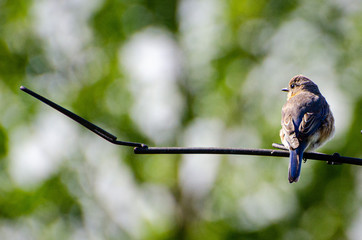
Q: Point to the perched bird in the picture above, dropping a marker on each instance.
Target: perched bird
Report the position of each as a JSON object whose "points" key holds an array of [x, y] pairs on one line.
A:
{"points": [[307, 122]]}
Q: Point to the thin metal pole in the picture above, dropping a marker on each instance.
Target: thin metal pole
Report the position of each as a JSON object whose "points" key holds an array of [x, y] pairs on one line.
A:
{"points": [[331, 159], [97, 130]]}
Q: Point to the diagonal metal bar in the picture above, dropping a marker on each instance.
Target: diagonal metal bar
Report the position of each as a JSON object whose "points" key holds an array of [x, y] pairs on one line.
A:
{"points": [[97, 130]]}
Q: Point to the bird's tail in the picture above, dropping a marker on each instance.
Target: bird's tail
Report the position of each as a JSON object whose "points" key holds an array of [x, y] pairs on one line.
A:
{"points": [[295, 165]]}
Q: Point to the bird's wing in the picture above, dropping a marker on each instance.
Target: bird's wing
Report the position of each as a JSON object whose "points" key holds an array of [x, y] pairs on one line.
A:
{"points": [[289, 128], [311, 120]]}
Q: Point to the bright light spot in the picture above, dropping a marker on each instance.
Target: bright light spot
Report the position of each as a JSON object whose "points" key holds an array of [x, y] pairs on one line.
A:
{"points": [[203, 33], [35, 157], [198, 172], [151, 59], [64, 27], [117, 199], [116, 192], [265, 206]]}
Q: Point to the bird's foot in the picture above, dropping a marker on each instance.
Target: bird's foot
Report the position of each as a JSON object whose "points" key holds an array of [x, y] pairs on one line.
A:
{"points": [[279, 146]]}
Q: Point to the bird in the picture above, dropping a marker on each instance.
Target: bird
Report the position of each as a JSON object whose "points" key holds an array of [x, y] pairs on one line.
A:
{"points": [[307, 122]]}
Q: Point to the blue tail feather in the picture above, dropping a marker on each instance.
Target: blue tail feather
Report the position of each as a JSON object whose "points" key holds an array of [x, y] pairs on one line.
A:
{"points": [[295, 165]]}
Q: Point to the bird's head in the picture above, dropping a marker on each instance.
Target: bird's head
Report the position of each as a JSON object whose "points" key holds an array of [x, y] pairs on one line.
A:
{"points": [[299, 84]]}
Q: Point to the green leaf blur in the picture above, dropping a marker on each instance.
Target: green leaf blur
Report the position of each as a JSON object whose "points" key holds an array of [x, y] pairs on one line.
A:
{"points": [[174, 73]]}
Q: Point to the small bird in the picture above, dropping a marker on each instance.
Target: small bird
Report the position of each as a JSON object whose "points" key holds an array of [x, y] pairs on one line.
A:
{"points": [[307, 122]]}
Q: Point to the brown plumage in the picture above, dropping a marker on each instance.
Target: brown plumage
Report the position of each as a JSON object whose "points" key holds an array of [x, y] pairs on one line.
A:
{"points": [[307, 121]]}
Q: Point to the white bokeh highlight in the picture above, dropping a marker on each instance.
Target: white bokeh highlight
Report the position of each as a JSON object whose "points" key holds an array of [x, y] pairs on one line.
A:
{"points": [[63, 25], [202, 35], [197, 173], [38, 152], [152, 61]]}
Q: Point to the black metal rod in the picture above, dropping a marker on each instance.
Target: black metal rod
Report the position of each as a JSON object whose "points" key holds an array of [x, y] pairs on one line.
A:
{"points": [[97, 130], [331, 159], [211, 150]]}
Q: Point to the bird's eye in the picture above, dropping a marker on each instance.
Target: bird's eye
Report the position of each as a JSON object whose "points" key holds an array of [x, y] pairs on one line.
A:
{"points": [[292, 86]]}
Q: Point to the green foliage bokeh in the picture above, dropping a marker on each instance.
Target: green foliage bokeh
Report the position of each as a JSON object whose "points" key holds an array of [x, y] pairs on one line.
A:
{"points": [[227, 61]]}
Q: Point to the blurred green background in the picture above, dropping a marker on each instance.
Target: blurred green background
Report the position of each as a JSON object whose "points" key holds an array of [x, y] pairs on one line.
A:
{"points": [[174, 73]]}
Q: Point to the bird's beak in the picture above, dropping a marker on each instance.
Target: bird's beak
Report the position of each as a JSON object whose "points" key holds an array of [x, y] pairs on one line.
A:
{"points": [[285, 90]]}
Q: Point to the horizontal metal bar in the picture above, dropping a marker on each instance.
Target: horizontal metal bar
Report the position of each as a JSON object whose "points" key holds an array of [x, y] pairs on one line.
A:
{"points": [[331, 159], [210, 150]]}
